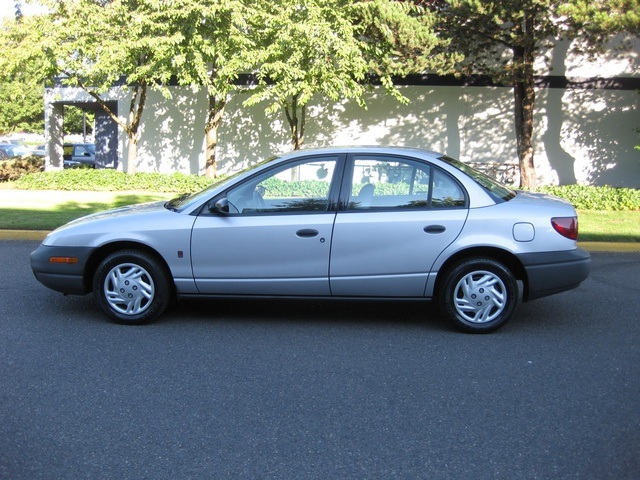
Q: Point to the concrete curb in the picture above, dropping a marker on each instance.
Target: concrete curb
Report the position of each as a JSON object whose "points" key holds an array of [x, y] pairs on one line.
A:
{"points": [[610, 246], [589, 246], [23, 234]]}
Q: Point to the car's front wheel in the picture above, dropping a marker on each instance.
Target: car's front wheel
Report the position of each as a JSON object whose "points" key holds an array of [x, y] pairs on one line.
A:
{"points": [[132, 287], [479, 295]]}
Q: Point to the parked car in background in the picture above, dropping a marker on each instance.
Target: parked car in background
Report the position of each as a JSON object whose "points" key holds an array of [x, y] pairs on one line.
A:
{"points": [[38, 151], [9, 150], [79, 155], [359, 223]]}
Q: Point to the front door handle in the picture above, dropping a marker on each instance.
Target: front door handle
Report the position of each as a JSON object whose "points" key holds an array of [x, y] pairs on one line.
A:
{"points": [[307, 233], [435, 229]]}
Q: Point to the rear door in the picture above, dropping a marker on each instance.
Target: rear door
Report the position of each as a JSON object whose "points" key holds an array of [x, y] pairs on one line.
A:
{"points": [[400, 215]]}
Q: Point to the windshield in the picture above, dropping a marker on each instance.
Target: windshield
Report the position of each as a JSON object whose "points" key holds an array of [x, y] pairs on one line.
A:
{"points": [[185, 198], [498, 191]]}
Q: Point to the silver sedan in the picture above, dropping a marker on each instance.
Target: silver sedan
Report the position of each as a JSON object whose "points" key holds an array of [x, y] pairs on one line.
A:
{"points": [[361, 222]]}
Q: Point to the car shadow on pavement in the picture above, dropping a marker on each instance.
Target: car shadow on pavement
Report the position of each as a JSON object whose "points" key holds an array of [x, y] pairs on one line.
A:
{"points": [[294, 311], [375, 313]]}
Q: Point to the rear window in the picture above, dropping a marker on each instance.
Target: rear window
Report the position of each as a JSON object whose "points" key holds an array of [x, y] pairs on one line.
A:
{"points": [[497, 191]]}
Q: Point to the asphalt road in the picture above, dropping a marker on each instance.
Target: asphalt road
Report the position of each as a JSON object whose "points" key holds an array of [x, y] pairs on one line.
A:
{"points": [[320, 390]]}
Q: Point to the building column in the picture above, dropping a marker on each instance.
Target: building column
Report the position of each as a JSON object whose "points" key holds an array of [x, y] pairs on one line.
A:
{"points": [[106, 137], [53, 136]]}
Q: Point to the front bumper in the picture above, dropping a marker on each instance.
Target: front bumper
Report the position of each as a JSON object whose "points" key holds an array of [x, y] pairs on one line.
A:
{"points": [[554, 272], [67, 278]]}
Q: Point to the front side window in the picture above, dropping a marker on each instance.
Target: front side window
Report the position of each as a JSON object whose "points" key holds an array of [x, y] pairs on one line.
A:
{"points": [[383, 183], [298, 187]]}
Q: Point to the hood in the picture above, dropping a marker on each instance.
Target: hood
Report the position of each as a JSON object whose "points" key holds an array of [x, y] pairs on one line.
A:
{"points": [[120, 212]]}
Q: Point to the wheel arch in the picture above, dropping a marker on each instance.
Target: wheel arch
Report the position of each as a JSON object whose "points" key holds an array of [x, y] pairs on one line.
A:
{"points": [[107, 249], [507, 258]]}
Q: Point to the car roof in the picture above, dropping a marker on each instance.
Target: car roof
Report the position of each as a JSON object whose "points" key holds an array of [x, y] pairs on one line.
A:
{"points": [[373, 149]]}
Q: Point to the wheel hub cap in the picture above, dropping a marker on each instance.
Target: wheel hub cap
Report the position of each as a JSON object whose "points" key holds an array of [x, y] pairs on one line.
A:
{"points": [[480, 297], [129, 289]]}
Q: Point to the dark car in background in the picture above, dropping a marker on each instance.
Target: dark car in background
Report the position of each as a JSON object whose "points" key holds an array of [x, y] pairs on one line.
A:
{"points": [[79, 155], [38, 151], [9, 150]]}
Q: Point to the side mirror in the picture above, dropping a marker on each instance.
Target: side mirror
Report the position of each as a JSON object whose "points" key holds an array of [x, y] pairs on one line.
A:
{"points": [[220, 207]]}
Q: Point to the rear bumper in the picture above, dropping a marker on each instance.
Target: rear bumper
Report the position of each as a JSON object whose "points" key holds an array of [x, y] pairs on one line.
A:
{"points": [[67, 278], [554, 272]]}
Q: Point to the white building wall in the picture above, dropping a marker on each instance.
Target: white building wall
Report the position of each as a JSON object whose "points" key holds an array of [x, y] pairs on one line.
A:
{"points": [[582, 135]]}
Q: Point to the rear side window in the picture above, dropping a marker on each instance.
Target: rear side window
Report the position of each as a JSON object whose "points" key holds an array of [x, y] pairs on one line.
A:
{"points": [[446, 192], [380, 182], [499, 192]]}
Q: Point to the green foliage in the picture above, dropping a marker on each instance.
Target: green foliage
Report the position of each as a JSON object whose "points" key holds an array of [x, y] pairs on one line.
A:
{"points": [[73, 121], [585, 197], [14, 169], [21, 105], [330, 48], [111, 180], [600, 18]]}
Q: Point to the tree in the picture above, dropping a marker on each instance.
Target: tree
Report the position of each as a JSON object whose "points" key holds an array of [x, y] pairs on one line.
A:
{"points": [[102, 44], [504, 39], [330, 48], [95, 45], [213, 47], [21, 106], [599, 19]]}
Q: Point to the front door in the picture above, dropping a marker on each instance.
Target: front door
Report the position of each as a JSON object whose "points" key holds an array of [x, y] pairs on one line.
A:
{"points": [[276, 238]]}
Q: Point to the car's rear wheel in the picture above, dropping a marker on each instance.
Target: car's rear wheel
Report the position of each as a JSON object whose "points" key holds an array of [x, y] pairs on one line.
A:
{"points": [[478, 295], [132, 287]]}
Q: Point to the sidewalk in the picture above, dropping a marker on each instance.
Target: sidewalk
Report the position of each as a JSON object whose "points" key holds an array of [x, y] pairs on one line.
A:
{"points": [[588, 246]]}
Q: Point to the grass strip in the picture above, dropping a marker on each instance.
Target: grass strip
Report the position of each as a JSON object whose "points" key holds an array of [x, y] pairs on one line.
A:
{"points": [[47, 210]]}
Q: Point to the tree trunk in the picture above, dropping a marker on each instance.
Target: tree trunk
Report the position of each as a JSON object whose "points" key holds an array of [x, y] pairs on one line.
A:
{"points": [[132, 154], [136, 108], [524, 103], [214, 117], [296, 124]]}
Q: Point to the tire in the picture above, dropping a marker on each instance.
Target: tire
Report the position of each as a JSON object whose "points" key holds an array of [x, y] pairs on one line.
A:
{"points": [[132, 287], [478, 295]]}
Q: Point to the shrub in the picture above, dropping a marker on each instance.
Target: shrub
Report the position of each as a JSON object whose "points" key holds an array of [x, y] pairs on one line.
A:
{"points": [[17, 167], [584, 197], [112, 180]]}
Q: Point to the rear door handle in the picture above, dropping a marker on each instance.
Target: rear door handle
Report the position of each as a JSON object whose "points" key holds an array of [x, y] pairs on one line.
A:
{"points": [[435, 229], [307, 233]]}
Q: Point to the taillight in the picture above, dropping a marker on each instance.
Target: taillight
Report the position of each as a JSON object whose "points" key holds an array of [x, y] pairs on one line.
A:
{"points": [[566, 226]]}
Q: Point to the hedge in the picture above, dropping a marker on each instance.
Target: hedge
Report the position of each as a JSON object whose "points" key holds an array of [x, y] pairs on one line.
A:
{"points": [[581, 196], [111, 180], [19, 167], [584, 197]]}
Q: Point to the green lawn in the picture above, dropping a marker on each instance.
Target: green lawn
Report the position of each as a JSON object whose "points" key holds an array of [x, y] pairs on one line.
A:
{"points": [[600, 226], [46, 210]]}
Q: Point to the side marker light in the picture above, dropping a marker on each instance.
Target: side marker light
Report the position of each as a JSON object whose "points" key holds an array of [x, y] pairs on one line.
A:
{"points": [[63, 260]]}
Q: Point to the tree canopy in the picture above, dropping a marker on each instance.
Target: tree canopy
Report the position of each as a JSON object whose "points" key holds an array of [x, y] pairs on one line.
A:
{"points": [[298, 50], [504, 39]]}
